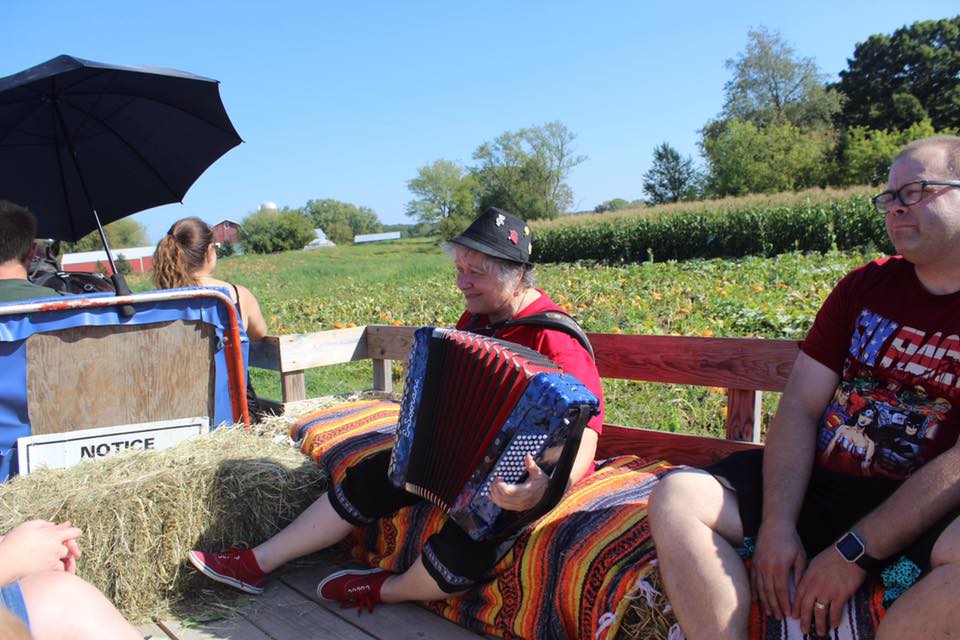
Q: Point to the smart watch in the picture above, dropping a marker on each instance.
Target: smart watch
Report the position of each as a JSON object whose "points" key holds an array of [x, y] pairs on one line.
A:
{"points": [[852, 549]]}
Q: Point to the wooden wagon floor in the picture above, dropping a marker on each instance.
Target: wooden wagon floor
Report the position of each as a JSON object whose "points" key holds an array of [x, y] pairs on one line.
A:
{"points": [[290, 610]]}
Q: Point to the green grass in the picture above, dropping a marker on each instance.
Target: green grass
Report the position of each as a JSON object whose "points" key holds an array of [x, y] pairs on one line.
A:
{"points": [[411, 282]]}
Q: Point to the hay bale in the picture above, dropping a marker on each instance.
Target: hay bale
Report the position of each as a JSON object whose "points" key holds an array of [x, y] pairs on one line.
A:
{"points": [[142, 511], [650, 616]]}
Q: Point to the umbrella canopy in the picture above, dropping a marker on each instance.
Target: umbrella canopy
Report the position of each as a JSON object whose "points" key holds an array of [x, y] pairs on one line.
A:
{"points": [[81, 138]]}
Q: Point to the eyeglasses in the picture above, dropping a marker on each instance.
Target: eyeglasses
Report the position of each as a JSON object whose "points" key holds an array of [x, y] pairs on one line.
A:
{"points": [[910, 193]]}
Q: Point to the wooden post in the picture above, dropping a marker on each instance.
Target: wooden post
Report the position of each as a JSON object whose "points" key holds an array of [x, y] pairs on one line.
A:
{"points": [[293, 386], [743, 415], [382, 375]]}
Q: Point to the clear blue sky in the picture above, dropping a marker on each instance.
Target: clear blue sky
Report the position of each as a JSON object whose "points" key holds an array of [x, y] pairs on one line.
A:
{"points": [[346, 100]]}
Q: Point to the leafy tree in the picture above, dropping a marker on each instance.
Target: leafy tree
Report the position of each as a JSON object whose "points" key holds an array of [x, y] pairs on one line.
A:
{"points": [[865, 154], [892, 82], [611, 205], [671, 178], [443, 189], [775, 131], [121, 234], [771, 83], [525, 171], [123, 265], [453, 226], [745, 158], [270, 230], [419, 230], [342, 220]]}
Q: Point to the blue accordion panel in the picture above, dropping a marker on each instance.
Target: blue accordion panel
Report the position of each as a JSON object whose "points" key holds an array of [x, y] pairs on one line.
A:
{"points": [[538, 424]]}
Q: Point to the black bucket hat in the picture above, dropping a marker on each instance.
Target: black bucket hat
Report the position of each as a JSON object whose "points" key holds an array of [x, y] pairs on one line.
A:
{"points": [[499, 234]]}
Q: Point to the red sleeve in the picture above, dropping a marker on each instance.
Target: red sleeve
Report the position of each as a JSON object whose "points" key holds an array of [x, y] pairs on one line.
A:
{"points": [[829, 337], [574, 359]]}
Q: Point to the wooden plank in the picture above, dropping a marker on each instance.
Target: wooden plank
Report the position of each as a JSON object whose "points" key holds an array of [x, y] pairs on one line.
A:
{"points": [[390, 343], [405, 621], [738, 363], [265, 353], [743, 415], [234, 627], [170, 365], [285, 614], [151, 630], [678, 448], [308, 350]]}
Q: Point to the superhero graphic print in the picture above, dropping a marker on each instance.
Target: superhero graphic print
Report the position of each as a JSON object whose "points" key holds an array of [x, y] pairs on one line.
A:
{"points": [[885, 416]]}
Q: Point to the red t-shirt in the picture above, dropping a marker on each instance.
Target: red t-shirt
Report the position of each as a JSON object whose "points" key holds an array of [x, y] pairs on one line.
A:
{"points": [[896, 348], [560, 347]]}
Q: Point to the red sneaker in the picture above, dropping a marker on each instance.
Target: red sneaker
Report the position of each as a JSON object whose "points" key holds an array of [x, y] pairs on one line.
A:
{"points": [[237, 568], [354, 588]]}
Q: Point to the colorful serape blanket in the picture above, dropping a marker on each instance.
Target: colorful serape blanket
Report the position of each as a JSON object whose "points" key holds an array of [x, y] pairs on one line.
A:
{"points": [[861, 616], [572, 575]]}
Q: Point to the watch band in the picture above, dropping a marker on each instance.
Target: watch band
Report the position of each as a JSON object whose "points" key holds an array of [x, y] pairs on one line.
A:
{"points": [[868, 562]]}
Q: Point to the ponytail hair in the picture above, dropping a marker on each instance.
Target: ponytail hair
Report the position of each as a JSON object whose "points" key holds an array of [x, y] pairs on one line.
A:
{"points": [[181, 253]]}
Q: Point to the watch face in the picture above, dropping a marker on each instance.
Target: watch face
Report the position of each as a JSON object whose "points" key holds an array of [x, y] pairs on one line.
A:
{"points": [[850, 547]]}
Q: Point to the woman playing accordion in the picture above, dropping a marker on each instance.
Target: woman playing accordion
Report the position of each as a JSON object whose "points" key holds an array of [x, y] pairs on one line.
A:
{"points": [[494, 274]]}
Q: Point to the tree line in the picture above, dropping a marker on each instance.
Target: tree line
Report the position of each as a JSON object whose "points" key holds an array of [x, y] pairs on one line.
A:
{"points": [[784, 127], [523, 171]]}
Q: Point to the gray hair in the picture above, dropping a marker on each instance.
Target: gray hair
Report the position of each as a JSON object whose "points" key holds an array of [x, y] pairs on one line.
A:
{"points": [[950, 146], [504, 270]]}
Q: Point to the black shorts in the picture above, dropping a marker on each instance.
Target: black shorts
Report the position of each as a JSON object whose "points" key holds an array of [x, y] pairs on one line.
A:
{"points": [[832, 505], [452, 558]]}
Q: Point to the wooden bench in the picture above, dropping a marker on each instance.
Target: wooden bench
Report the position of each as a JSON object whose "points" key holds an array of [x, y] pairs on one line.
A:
{"points": [[745, 367]]}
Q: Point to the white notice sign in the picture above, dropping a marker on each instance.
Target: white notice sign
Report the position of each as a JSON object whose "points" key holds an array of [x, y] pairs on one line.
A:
{"points": [[60, 450]]}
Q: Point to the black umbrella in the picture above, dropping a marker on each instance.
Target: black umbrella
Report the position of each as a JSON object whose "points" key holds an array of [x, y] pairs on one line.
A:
{"points": [[84, 143]]}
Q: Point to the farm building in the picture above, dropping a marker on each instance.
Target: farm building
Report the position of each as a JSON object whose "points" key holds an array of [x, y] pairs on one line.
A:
{"points": [[226, 231], [377, 237], [140, 259], [319, 241]]}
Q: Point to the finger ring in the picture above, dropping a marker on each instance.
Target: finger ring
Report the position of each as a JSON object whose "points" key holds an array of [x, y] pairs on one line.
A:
{"points": [[819, 605]]}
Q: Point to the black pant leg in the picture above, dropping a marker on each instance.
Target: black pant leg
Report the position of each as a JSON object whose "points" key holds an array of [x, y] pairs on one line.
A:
{"points": [[367, 493], [457, 562]]}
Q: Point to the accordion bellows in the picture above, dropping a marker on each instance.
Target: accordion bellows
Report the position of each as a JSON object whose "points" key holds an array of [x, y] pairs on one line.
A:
{"points": [[472, 408]]}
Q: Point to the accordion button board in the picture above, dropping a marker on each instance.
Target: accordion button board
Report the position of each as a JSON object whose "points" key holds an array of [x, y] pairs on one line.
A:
{"points": [[473, 407]]}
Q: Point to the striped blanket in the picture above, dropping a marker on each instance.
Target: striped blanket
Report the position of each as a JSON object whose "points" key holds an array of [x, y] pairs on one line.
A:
{"points": [[570, 576]]}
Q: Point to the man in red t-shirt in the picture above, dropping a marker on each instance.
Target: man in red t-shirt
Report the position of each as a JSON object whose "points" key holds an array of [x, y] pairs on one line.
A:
{"points": [[859, 474]]}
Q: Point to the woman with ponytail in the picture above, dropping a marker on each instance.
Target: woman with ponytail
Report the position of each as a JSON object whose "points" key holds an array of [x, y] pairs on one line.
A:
{"points": [[186, 257]]}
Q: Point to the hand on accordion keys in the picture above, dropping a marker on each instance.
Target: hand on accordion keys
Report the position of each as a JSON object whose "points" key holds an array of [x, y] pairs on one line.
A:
{"points": [[523, 496]]}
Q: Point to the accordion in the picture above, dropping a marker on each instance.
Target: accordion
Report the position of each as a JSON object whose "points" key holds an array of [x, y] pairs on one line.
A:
{"points": [[472, 408]]}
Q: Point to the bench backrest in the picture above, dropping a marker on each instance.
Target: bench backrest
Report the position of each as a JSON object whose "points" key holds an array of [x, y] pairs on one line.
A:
{"points": [[745, 367]]}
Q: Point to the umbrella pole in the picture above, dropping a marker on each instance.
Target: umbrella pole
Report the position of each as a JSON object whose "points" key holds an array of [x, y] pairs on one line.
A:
{"points": [[119, 282]]}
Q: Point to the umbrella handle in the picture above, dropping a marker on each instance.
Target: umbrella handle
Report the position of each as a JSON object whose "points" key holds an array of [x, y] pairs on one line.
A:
{"points": [[120, 284]]}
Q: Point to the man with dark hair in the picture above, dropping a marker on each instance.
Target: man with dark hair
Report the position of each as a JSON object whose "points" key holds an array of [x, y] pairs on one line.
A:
{"points": [[18, 229], [817, 520]]}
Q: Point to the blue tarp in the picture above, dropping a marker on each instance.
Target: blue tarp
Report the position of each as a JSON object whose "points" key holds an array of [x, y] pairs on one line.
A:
{"points": [[16, 328]]}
